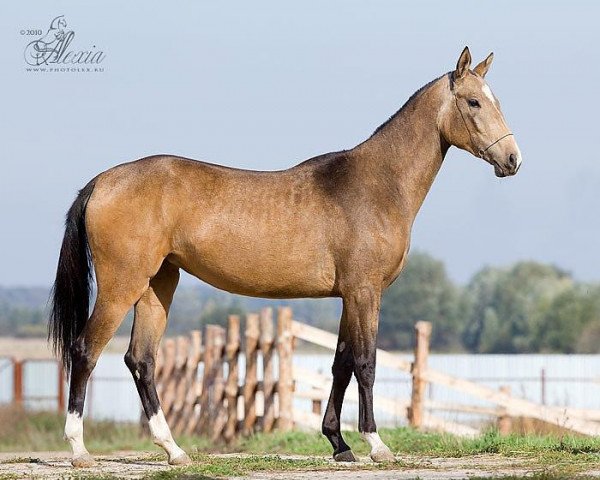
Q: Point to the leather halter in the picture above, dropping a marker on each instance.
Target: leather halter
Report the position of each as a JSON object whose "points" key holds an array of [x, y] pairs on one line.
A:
{"points": [[481, 153]]}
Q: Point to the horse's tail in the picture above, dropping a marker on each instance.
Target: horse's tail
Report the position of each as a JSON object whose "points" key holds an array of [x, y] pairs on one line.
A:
{"points": [[70, 295]]}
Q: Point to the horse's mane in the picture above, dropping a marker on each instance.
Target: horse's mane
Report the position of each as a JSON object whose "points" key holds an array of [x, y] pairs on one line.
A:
{"points": [[412, 98]]}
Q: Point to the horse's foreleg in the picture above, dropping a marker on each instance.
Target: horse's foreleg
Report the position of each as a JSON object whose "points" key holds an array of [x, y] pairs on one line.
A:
{"points": [[148, 327], [363, 319], [343, 364]]}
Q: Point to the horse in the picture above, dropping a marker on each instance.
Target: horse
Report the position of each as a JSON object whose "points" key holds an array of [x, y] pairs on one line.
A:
{"points": [[336, 225]]}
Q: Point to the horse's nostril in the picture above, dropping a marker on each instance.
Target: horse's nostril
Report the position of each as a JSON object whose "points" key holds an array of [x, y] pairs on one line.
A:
{"points": [[512, 160]]}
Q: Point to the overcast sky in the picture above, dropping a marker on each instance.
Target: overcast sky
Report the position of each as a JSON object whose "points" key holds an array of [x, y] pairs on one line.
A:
{"points": [[264, 85]]}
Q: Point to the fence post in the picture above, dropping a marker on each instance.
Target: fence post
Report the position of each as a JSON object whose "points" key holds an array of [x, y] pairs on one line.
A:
{"points": [[316, 404], [167, 367], [189, 394], [183, 353], [250, 382], [285, 386], [415, 411], [60, 397], [543, 385], [18, 382], [504, 422], [193, 417], [207, 380], [232, 351], [218, 413], [266, 346]]}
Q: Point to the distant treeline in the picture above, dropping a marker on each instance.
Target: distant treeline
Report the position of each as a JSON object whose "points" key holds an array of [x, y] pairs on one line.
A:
{"points": [[527, 307]]}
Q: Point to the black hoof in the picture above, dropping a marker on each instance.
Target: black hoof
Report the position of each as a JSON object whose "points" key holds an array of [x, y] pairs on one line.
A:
{"points": [[345, 456]]}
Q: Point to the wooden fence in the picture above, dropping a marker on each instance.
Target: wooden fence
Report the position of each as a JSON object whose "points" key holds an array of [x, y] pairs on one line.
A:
{"points": [[20, 397], [199, 381], [203, 389], [226, 382], [418, 409]]}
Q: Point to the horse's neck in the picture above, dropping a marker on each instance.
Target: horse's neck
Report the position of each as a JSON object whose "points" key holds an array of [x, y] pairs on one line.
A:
{"points": [[408, 150]]}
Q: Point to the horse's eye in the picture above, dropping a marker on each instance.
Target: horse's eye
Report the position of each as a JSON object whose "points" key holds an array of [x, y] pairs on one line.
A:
{"points": [[474, 103]]}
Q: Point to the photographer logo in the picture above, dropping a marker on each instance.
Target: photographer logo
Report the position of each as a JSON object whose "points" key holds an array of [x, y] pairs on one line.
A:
{"points": [[56, 51]]}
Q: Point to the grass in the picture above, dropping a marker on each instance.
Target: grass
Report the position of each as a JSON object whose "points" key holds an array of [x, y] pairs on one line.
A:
{"points": [[25, 431], [208, 466], [408, 441], [547, 457]]}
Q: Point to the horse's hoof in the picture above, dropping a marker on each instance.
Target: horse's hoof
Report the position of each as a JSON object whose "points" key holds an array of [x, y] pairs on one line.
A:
{"points": [[83, 461], [182, 459], [383, 455], [345, 456]]}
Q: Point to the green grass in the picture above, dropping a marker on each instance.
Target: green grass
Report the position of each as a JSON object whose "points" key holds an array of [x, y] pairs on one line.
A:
{"points": [[408, 441], [547, 457], [207, 466]]}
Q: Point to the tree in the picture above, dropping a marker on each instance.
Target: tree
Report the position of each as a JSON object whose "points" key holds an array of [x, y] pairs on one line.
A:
{"points": [[422, 292], [507, 306], [572, 322], [479, 298]]}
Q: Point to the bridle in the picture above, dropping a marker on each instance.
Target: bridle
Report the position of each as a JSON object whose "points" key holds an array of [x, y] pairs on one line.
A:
{"points": [[481, 153]]}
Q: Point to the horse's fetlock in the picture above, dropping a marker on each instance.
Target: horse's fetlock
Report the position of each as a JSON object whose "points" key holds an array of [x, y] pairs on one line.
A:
{"points": [[329, 428]]}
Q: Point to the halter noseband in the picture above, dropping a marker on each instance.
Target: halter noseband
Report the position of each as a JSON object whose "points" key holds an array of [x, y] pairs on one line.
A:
{"points": [[494, 143]]}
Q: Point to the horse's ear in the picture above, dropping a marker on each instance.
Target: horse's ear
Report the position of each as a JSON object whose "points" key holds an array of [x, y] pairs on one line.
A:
{"points": [[482, 68], [464, 62]]}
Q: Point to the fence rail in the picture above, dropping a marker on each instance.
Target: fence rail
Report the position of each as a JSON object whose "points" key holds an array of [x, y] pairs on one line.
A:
{"points": [[584, 421]]}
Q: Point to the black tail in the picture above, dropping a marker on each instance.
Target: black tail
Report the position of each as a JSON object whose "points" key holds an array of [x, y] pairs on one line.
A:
{"points": [[72, 287]]}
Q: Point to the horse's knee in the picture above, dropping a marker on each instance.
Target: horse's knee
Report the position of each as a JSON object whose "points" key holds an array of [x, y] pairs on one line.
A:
{"points": [[364, 370], [341, 371]]}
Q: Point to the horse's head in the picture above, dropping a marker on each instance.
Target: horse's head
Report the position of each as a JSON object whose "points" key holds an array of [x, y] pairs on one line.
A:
{"points": [[473, 121]]}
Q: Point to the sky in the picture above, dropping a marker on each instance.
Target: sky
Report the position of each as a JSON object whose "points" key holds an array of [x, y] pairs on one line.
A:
{"points": [[267, 84]]}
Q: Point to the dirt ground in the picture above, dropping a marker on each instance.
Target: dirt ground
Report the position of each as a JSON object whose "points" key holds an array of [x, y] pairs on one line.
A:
{"points": [[133, 465]]}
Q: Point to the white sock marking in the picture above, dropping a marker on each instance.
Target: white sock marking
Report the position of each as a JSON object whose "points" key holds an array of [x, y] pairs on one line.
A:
{"points": [[74, 434], [374, 441], [161, 435]]}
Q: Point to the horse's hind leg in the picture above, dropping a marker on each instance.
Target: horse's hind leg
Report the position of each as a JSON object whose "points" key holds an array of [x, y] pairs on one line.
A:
{"points": [[113, 302], [149, 324]]}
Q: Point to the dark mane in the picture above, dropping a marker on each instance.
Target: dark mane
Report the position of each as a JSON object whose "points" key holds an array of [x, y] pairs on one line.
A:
{"points": [[408, 102]]}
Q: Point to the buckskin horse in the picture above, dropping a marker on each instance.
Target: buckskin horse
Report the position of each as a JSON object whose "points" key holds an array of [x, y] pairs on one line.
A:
{"points": [[337, 225]]}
